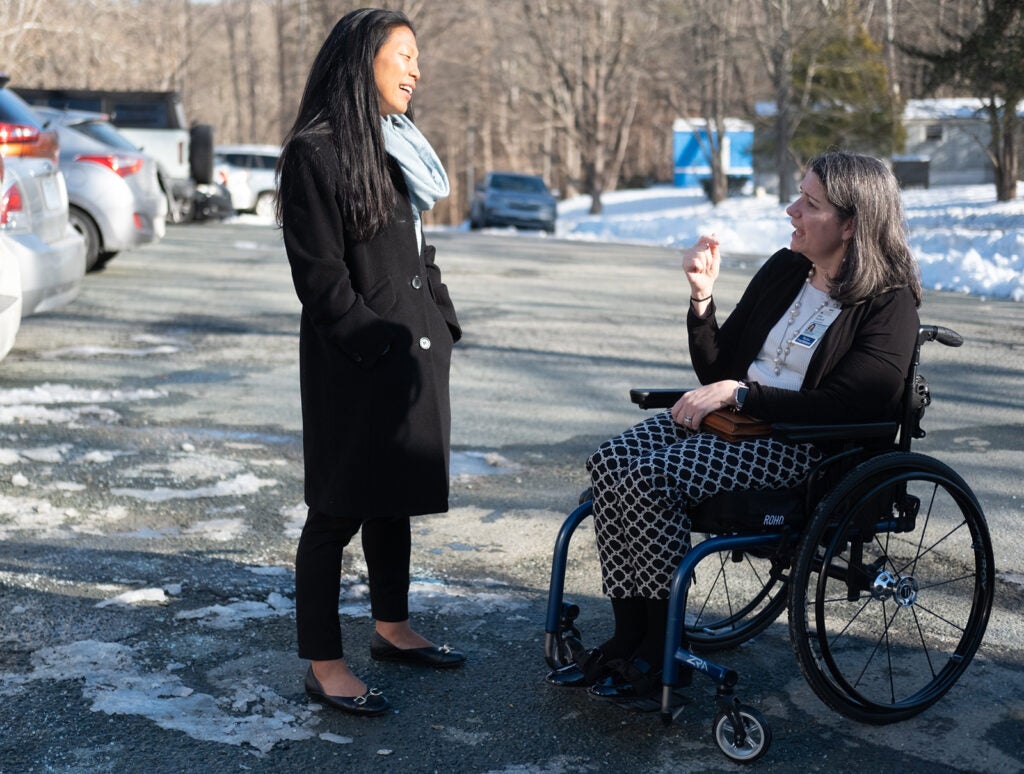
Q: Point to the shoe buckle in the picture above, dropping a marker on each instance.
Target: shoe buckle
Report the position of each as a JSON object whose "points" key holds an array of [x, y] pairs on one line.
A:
{"points": [[445, 648], [361, 700]]}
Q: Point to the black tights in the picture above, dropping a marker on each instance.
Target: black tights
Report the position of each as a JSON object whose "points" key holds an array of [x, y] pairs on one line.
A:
{"points": [[640, 626], [386, 547]]}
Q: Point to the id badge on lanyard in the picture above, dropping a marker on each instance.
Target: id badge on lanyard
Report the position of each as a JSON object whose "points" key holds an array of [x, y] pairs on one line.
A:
{"points": [[816, 328]]}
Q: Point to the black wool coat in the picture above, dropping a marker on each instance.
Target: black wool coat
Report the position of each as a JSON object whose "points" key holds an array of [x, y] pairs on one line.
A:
{"points": [[375, 346]]}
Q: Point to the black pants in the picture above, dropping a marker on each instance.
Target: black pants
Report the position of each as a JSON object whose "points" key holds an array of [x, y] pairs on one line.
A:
{"points": [[386, 546]]}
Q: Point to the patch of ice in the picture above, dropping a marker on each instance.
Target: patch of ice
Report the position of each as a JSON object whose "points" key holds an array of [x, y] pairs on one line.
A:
{"points": [[255, 715], [242, 484]]}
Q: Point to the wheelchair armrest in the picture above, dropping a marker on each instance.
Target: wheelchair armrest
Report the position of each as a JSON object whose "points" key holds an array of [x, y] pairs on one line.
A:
{"points": [[654, 398], [790, 433], [648, 398]]}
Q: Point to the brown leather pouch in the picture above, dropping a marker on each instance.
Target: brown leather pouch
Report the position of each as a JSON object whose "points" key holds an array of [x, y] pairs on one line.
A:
{"points": [[734, 426]]}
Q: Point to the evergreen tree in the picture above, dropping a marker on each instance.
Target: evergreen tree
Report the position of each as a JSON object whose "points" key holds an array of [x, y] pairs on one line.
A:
{"points": [[842, 96]]}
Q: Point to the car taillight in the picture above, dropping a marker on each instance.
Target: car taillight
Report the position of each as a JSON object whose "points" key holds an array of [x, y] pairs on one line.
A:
{"points": [[11, 207], [23, 140], [122, 165]]}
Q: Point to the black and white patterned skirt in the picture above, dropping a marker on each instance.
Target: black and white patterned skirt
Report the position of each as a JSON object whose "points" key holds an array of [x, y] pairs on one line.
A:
{"points": [[645, 481]]}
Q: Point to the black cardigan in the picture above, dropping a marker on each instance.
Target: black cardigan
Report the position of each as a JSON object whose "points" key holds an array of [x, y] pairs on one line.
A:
{"points": [[857, 372]]}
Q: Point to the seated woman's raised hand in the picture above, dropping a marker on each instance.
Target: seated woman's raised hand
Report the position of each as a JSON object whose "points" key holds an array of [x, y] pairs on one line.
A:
{"points": [[700, 264]]}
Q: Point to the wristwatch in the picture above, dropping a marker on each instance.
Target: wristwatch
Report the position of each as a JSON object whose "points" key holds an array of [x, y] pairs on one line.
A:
{"points": [[740, 395]]}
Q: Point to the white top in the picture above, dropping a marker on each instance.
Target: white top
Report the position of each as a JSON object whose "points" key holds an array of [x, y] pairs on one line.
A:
{"points": [[793, 339]]}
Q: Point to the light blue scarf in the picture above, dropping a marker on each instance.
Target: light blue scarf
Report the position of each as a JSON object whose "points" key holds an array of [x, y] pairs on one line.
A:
{"points": [[424, 175]]}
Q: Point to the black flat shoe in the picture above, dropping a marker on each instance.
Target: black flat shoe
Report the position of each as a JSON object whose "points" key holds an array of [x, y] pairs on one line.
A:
{"points": [[439, 657], [369, 704], [587, 669], [632, 679]]}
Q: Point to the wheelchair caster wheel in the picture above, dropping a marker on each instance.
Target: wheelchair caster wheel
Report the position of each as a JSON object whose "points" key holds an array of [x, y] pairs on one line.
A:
{"points": [[744, 745], [571, 647]]}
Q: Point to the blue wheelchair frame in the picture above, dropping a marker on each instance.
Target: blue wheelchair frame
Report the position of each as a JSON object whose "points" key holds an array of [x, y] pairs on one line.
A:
{"points": [[560, 616]]}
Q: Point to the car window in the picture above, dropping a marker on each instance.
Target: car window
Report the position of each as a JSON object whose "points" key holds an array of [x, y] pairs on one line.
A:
{"points": [[105, 133], [137, 115], [14, 111], [518, 184], [265, 162]]}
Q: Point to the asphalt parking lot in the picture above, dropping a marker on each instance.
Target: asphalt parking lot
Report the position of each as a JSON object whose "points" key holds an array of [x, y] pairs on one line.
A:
{"points": [[151, 497]]}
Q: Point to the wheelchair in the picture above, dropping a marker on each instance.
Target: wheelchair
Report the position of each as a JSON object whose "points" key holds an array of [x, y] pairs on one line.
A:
{"points": [[882, 558]]}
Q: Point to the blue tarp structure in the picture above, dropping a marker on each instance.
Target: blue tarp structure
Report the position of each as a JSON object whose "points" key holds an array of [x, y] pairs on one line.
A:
{"points": [[690, 162]]}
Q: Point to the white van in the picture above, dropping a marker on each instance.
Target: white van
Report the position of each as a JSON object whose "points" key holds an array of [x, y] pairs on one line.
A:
{"points": [[249, 172]]}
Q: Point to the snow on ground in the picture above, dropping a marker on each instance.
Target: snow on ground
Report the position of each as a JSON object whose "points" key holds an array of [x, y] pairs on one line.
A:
{"points": [[964, 240]]}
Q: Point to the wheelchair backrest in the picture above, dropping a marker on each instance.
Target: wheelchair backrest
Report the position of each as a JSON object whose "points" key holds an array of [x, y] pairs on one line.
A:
{"points": [[916, 395]]}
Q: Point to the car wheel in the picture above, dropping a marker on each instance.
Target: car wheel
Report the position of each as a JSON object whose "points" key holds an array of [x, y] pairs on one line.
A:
{"points": [[84, 225], [265, 205], [104, 259], [180, 210]]}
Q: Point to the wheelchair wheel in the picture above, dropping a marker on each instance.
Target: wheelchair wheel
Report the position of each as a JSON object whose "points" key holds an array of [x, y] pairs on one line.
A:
{"points": [[733, 597], [891, 589], [748, 746]]}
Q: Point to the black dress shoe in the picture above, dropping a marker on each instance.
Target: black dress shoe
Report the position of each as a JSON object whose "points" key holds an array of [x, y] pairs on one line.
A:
{"points": [[440, 657], [370, 703], [632, 679], [590, 667]]}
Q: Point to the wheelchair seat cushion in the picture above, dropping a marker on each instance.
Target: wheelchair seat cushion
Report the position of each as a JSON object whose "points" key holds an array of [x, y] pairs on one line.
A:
{"points": [[749, 511]]}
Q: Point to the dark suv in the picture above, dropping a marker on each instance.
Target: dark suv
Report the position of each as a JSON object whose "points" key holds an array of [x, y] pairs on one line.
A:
{"points": [[511, 199]]}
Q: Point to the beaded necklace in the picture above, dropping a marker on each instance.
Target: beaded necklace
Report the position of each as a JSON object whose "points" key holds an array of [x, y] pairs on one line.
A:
{"points": [[786, 341]]}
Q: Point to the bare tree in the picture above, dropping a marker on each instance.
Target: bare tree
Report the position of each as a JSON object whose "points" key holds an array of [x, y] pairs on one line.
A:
{"points": [[18, 18], [710, 48], [785, 24], [593, 56], [583, 92], [987, 58]]}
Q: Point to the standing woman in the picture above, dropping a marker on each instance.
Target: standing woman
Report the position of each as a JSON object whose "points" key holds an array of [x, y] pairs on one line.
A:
{"points": [[375, 343]]}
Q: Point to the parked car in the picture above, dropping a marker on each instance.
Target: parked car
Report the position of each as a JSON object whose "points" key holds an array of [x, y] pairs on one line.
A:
{"points": [[10, 289], [34, 209], [249, 172], [114, 193], [155, 121], [511, 199]]}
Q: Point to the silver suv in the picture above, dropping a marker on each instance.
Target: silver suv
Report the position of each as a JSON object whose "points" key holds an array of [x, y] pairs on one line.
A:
{"points": [[511, 199], [113, 188], [249, 172], [34, 209]]}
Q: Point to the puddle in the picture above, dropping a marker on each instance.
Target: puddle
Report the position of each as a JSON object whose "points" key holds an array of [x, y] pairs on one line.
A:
{"points": [[478, 463], [236, 435]]}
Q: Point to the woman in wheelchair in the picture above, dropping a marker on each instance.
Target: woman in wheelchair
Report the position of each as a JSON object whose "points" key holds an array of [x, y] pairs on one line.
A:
{"points": [[824, 333]]}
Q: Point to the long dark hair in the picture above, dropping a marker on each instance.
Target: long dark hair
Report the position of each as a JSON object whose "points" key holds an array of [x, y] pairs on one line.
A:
{"points": [[878, 257], [341, 99]]}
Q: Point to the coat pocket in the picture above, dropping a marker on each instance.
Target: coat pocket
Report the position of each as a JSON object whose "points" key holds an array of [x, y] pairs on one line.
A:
{"points": [[381, 298]]}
